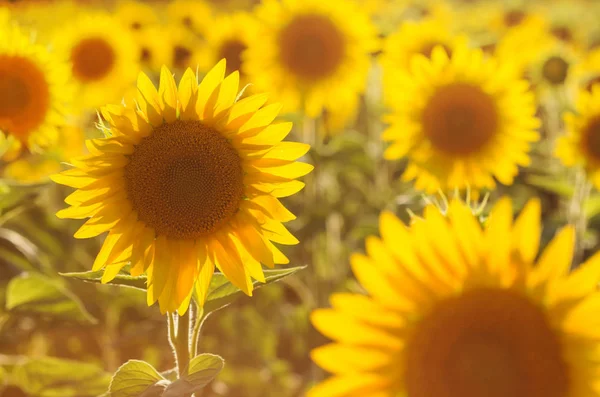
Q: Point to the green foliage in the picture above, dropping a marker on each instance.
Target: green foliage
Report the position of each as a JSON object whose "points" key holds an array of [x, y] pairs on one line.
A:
{"points": [[201, 371], [122, 279], [137, 378], [53, 377], [221, 292], [35, 293]]}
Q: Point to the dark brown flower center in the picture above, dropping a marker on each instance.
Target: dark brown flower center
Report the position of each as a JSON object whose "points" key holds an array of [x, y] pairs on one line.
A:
{"points": [[24, 96], [312, 47], [591, 138], [181, 56], [460, 119], [485, 342], [555, 70], [185, 180], [92, 59], [514, 17], [232, 52]]}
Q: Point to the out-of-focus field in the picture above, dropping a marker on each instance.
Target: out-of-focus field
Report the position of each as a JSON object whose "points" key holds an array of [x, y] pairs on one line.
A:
{"points": [[265, 339]]}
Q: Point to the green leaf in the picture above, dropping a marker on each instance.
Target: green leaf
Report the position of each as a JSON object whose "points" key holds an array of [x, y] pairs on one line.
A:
{"points": [[137, 378], [53, 377], [123, 278], [201, 371], [551, 183], [592, 206], [221, 292], [34, 293]]}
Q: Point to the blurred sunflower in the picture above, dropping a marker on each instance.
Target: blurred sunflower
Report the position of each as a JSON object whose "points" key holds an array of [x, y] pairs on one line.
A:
{"points": [[554, 68], [228, 37], [189, 181], [34, 92], [136, 15], [415, 38], [581, 145], [155, 49], [103, 55], [191, 15], [454, 310], [38, 167], [185, 48], [460, 121], [312, 54]]}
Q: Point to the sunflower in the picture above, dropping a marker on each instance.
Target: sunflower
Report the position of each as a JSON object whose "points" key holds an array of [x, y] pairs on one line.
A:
{"points": [[185, 49], [228, 37], [31, 167], [313, 54], [581, 145], [460, 121], [555, 68], [188, 180], [191, 15], [136, 16], [154, 49], [34, 92], [415, 38], [454, 310], [103, 57]]}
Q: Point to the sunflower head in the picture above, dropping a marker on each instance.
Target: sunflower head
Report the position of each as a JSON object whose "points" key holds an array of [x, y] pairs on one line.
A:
{"points": [[34, 91], [103, 56], [188, 180], [461, 121], [228, 37], [136, 15], [454, 308], [580, 147], [313, 54]]}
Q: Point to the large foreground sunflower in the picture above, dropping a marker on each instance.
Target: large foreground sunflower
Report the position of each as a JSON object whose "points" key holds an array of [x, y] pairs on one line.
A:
{"points": [[188, 180], [581, 145], [461, 121], [34, 91], [103, 56], [457, 311], [313, 54]]}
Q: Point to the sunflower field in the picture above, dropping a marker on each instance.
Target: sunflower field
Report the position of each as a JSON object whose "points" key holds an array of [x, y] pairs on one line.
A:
{"points": [[288, 198]]}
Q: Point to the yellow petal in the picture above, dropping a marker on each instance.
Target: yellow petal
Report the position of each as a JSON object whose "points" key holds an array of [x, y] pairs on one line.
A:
{"points": [[167, 95], [209, 84]]}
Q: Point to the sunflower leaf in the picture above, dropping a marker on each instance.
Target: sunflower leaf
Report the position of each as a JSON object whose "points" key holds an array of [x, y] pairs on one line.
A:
{"points": [[137, 378], [35, 293], [202, 370], [53, 377], [123, 278], [221, 292]]}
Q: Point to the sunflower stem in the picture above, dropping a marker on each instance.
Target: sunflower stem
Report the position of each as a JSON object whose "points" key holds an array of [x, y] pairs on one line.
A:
{"points": [[576, 214], [182, 343], [200, 317]]}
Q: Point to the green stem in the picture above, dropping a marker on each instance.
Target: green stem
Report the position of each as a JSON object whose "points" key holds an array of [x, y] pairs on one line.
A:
{"points": [[200, 317], [182, 343], [577, 216]]}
